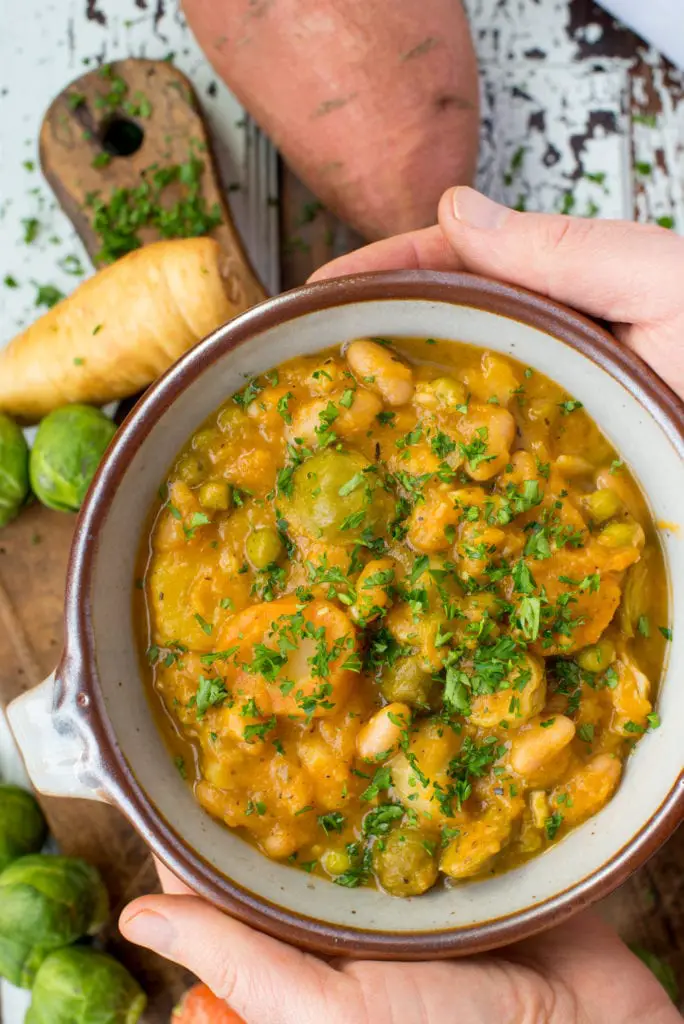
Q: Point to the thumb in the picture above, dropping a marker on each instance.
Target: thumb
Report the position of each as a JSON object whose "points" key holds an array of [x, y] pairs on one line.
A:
{"points": [[262, 979], [616, 270]]}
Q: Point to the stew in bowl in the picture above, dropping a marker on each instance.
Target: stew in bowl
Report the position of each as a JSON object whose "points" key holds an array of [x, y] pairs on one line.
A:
{"points": [[403, 613]]}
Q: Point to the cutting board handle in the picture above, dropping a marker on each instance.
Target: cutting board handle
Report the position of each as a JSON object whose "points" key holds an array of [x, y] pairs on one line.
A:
{"points": [[55, 759]]}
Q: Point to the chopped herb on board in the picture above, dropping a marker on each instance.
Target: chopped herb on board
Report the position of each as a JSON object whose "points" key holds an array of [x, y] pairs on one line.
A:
{"points": [[119, 218], [101, 160], [180, 766]]}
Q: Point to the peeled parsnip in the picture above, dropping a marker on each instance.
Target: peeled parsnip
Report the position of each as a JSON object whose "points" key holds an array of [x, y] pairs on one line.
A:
{"points": [[120, 329]]}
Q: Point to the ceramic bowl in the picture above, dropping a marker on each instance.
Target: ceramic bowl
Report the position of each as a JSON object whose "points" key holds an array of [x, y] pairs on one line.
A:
{"points": [[88, 731]]}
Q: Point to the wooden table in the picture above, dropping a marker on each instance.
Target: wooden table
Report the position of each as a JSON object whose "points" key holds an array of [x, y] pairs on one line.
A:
{"points": [[529, 53]]}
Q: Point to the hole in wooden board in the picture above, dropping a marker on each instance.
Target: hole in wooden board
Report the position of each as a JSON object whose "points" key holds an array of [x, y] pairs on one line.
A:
{"points": [[122, 137]]}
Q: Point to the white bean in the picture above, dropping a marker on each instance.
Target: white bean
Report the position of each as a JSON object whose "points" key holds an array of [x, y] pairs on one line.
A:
{"points": [[382, 733], [377, 368]]}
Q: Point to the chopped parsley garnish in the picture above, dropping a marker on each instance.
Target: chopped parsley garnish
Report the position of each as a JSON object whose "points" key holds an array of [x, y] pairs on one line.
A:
{"points": [[379, 821], [382, 780], [248, 394], [475, 452], [282, 407], [210, 692], [351, 485], [442, 445], [332, 822], [326, 418], [529, 617], [31, 228], [644, 626], [47, 295], [205, 626], [119, 219], [570, 405], [552, 824], [260, 730]]}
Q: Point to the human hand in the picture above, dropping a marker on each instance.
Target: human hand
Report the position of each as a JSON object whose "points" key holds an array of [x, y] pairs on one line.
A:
{"points": [[578, 974], [629, 274]]}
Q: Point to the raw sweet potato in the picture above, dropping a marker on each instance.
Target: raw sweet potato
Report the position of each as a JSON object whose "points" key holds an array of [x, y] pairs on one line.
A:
{"points": [[200, 1006], [120, 329], [374, 105]]}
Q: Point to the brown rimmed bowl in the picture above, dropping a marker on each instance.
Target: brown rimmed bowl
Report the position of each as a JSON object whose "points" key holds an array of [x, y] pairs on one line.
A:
{"points": [[89, 731]]}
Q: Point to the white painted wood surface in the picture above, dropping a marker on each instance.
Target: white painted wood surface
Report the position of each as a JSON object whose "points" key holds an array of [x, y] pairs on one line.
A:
{"points": [[554, 117]]}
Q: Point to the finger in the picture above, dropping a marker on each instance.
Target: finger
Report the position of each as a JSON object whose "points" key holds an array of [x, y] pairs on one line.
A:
{"points": [[589, 957], [416, 250], [615, 270], [261, 979], [169, 883]]}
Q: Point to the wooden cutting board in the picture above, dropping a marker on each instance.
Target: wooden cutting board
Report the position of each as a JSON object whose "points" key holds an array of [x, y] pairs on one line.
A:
{"points": [[151, 105]]}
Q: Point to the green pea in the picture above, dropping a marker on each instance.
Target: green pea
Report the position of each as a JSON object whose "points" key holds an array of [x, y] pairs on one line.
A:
{"points": [[604, 504], [264, 546], [230, 418], [449, 391], [204, 439], [598, 657], [619, 535], [216, 495], [190, 470], [336, 862]]}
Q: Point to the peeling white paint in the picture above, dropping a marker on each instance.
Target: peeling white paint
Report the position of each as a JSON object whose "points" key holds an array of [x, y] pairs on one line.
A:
{"points": [[527, 46], [556, 140]]}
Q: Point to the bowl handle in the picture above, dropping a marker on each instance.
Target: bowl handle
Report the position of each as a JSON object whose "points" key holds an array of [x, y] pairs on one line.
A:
{"points": [[55, 755]]}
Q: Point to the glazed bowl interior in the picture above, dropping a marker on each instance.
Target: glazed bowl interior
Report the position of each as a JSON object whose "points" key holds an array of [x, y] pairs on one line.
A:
{"points": [[116, 516]]}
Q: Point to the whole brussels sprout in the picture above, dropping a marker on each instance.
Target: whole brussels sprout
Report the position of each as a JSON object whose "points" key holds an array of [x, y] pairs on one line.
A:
{"points": [[14, 474], [335, 496], [46, 902], [68, 449], [22, 825], [81, 986], [405, 863]]}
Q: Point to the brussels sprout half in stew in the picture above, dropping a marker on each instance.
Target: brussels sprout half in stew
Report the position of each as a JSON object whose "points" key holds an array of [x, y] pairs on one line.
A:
{"points": [[404, 613]]}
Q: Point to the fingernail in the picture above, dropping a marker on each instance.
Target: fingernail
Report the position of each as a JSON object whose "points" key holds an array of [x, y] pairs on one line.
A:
{"points": [[475, 210], [149, 929]]}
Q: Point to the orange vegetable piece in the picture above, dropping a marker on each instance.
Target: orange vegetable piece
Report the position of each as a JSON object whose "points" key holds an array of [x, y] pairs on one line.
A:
{"points": [[199, 1005]]}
